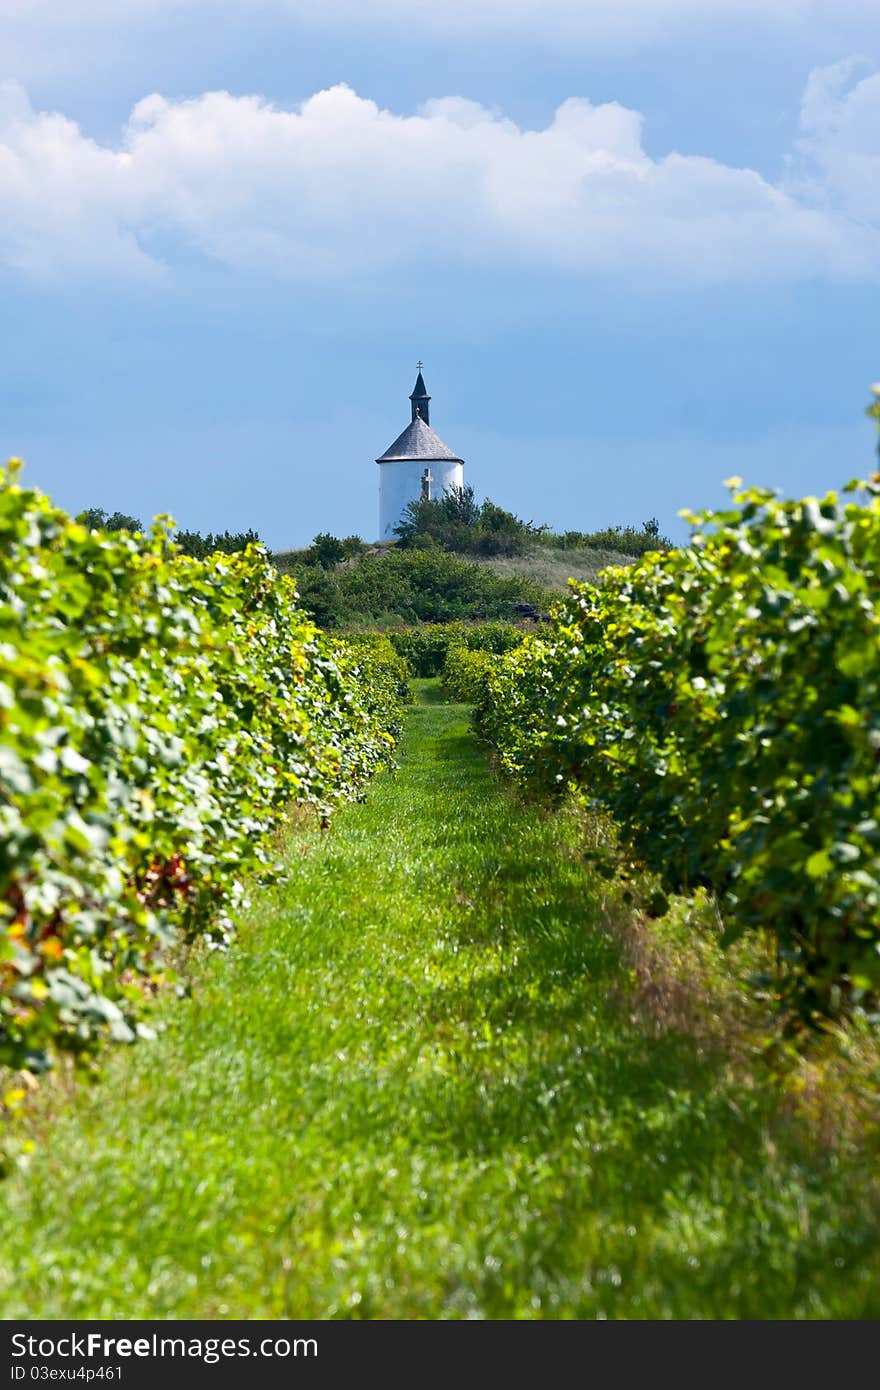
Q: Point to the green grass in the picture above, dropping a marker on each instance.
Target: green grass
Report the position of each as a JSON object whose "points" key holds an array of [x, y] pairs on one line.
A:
{"points": [[414, 1090]]}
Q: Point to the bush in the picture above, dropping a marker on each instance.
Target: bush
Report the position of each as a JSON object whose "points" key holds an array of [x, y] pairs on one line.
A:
{"points": [[96, 519], [722, 702], [625, 540], [387, 673], [158, 715], [466, 673], [409, 586], [425, 647], [229, 543], [457, 522], [188, 542]]}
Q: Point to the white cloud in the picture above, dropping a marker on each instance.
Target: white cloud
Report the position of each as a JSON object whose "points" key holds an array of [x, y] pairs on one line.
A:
{"points": [[841, 120], [340, 187], [68, 203]]}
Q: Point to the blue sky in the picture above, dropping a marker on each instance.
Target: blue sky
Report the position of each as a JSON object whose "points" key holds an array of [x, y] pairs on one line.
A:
{"points": [[637, 247]]}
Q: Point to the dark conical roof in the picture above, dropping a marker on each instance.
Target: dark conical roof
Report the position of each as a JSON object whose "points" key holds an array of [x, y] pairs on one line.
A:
{"points": [[419, 391], [418, 441]]}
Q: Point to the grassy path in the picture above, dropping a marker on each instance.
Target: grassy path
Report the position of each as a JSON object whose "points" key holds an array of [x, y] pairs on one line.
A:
{"points": [[412, 1091]]}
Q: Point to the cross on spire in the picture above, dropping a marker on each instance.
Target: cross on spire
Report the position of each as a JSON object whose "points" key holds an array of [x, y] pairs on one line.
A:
{"points": [[421, 401], [420, 364]]}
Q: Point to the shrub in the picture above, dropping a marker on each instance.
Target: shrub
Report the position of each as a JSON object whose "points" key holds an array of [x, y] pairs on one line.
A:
{"points": [[626, 540], [228, 543], [458, 522], [425, 646], [95, 518], [408, 586], [722, 702], [387, 673], [465, 673], [158, 714]]}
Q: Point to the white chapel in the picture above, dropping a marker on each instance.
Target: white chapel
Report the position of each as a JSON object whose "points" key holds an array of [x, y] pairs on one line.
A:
{"points": [[417, 465]]}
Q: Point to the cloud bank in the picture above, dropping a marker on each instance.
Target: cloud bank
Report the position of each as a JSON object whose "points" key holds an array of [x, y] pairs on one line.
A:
{"points": [[841, 122], [339, 187]]}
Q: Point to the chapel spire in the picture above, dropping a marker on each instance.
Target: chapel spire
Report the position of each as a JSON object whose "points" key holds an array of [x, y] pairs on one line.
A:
{"points": [[417, 465], [420, 400]]}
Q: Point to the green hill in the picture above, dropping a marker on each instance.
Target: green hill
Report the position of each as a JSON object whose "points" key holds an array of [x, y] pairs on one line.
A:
{"points": [[385, 586], [551, 568]]}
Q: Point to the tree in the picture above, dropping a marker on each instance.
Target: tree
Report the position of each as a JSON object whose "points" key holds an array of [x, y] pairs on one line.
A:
{"points": [[96, 519], [329, 551], [460, 506], [198, 546], [458, 522]]}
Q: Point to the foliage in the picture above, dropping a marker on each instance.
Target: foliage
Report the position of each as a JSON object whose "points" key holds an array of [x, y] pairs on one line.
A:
{"points": [[457, 522], [722, 702], [200, 547], [408, 586], [329, 551], [425, 647], [158, 713], [624, 539], [326, 552], [873, 410], [188, 542], [344, 584], [386, 673], [96, 519], [466, 672]]}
